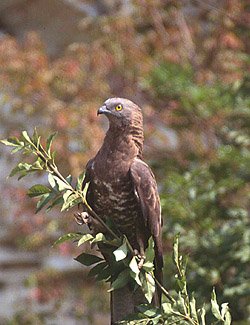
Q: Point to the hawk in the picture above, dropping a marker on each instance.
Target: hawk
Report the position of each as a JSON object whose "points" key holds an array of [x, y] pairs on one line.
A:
{"points": [[122, 187]]}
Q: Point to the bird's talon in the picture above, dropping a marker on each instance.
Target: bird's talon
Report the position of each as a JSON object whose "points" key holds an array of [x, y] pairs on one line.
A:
{"points": [[140, 257], [78, 218], [82, 218], [136, 252], [141, 262]]}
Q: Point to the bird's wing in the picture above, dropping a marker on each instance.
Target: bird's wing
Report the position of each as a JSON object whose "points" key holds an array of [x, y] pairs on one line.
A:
{"points": [[87, 177], [146, 190]]}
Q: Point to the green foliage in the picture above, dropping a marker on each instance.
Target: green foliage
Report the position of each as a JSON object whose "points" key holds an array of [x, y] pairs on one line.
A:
{"points": [[38, 190], [122, 265], [223, 315], [88, 259], [121, 252], [187, 62], [66, 237], [61, 192], [205, 194], [179, 308], [169, 80]]}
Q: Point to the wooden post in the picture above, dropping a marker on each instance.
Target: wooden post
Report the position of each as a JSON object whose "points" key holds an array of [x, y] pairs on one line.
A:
{"points": [[123, 302]]}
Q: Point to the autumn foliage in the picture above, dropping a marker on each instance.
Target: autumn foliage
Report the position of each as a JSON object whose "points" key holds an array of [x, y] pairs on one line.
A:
{"points": [[188, 67]]}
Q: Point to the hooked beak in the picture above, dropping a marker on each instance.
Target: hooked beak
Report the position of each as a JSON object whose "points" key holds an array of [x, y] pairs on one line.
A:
{"points": [[103, 110]]}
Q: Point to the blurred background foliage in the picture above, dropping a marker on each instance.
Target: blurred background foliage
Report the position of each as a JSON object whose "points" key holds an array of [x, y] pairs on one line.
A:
{"points": [[187, 64]]}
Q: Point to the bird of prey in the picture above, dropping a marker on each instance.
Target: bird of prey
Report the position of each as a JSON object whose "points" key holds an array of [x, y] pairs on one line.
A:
{"points": [[121, 185]]}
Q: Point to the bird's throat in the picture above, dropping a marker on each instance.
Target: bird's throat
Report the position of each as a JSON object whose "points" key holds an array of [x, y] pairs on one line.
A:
{"points": [[122, 142]]}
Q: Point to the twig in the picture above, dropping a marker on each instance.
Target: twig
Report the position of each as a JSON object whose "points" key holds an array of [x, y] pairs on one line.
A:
{"points": [[164, 291]]}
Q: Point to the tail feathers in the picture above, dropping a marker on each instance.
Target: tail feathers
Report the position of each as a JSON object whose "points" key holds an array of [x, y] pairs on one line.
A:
{"points": [[158, 263]]}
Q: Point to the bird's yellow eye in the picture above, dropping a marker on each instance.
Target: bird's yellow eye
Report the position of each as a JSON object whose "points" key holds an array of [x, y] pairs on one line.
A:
{"points": [[118, 107]]}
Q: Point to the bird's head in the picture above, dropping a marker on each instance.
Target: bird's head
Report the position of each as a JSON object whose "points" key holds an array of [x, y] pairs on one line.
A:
{"points": [[125, 118], [121, 112]]}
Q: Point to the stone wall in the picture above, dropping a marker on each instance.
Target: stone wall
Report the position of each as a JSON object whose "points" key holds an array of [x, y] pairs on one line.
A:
{"points": [[57, 21]]}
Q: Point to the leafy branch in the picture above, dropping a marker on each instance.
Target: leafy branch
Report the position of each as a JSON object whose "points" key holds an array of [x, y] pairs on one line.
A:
{"points": [[61, 190], [179, 307], [121, 266]]}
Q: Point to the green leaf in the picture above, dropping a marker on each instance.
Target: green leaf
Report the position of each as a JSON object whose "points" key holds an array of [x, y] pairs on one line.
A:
{"points": [[88, 259], [12, 141], [120, 281], [121, 252], [84, 239], [38, 164], [84, 191], [148, 311], [225, 314], [148, 266], [228, 318], [105, 274], [182, 304], [26, 166], [61, 184], [134, 266], [67, 195], [167, 308], [181, 283], [148, 287], [80, 181], [15, 170], [98, 237], [150, 253], [176, 250], [215, 307], [23, 173], [49, 142], [224, 309], [70, 200], [193, 308], [26, 136], [58, 201], [53, 156], [135, 270], [38, 190], [101, 272], [69, 179], [97, 269], [21, 168], [202, 313], [45, 198], [70, 236], [35, 137], [17, 148], [51, 180]]}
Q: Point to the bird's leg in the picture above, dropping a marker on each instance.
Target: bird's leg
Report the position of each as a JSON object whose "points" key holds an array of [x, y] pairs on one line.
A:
{"points": [[141, 254], [84, 218], [142, 259]]}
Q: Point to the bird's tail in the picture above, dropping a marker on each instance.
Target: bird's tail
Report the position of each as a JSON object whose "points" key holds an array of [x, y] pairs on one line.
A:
{"points": [[158, 263]]}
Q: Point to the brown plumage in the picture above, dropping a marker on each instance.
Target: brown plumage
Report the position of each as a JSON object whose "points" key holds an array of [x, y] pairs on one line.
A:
{"points": [[122, 186]]}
